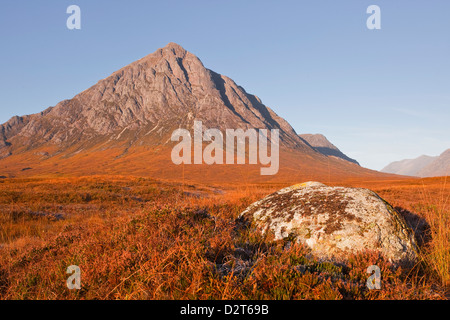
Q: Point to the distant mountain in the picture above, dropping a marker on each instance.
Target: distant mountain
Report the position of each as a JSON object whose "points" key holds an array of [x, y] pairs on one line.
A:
{"points": [[320, 143], [423, 166], [408, 167], [438, 167]]}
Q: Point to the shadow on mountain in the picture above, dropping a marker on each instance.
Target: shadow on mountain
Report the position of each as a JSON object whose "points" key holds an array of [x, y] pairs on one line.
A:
{"points": [[336, 153], [220, 86]]}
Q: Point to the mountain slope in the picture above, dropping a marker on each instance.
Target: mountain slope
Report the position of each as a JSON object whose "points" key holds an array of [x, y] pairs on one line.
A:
{"points": [[440, 166], [408, 167], [123, 125], [423, 166], [324, 146]]}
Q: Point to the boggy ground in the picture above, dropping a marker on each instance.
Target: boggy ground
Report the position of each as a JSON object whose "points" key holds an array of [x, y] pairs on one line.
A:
{"points": [[138, 238]]}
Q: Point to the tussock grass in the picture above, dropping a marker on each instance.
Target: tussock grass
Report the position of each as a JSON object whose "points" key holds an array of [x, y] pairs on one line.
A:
{"points": [[137, 238], [426, 201]]}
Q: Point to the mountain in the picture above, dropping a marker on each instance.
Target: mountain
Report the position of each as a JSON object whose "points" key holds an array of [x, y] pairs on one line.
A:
{"points": [[423, 166], [163, 91], [320, 143], [438, 167], [123, 125], [408, 167]]}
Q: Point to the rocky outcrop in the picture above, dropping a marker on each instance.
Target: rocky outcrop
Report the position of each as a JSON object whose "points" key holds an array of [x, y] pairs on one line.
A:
{"points": [[335, 221]]}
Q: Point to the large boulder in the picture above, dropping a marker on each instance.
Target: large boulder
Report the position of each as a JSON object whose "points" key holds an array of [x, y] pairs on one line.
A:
{"points": [[335, 221]]}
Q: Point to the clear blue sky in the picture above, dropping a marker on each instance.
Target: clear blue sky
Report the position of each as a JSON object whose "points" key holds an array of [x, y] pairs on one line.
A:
{"points": [[379, 95]]}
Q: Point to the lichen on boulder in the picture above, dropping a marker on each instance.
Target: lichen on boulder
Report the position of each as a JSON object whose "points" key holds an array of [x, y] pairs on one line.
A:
{"points": [[335, 221]]}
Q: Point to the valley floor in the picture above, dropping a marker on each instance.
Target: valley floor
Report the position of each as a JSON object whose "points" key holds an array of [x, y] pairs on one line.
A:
{"points": [[138, 238]]}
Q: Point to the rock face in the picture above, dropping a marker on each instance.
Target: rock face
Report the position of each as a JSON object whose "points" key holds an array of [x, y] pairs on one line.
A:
{"points": [[334, 221], [325, 147]]}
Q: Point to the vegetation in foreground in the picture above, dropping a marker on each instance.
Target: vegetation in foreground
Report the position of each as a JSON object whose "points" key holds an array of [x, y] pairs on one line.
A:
{"points": [[137, 238]]}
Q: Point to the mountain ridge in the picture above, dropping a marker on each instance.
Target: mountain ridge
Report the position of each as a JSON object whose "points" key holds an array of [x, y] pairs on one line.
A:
{"points": [[324, 146], [422, 166]]}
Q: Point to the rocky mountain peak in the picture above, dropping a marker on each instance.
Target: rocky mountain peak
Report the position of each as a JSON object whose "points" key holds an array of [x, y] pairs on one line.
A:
{"points": [[142, 103], [175, 49], [124, 124]]}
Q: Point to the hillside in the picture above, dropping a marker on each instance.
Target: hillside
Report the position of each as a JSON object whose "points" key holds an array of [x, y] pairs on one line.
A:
{"points": [[408, 167], [423, 166], [440, 166]]}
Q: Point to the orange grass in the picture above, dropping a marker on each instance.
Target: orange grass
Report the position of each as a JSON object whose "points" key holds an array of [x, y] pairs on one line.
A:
{"points": [[429, 199], [139, 238]]}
